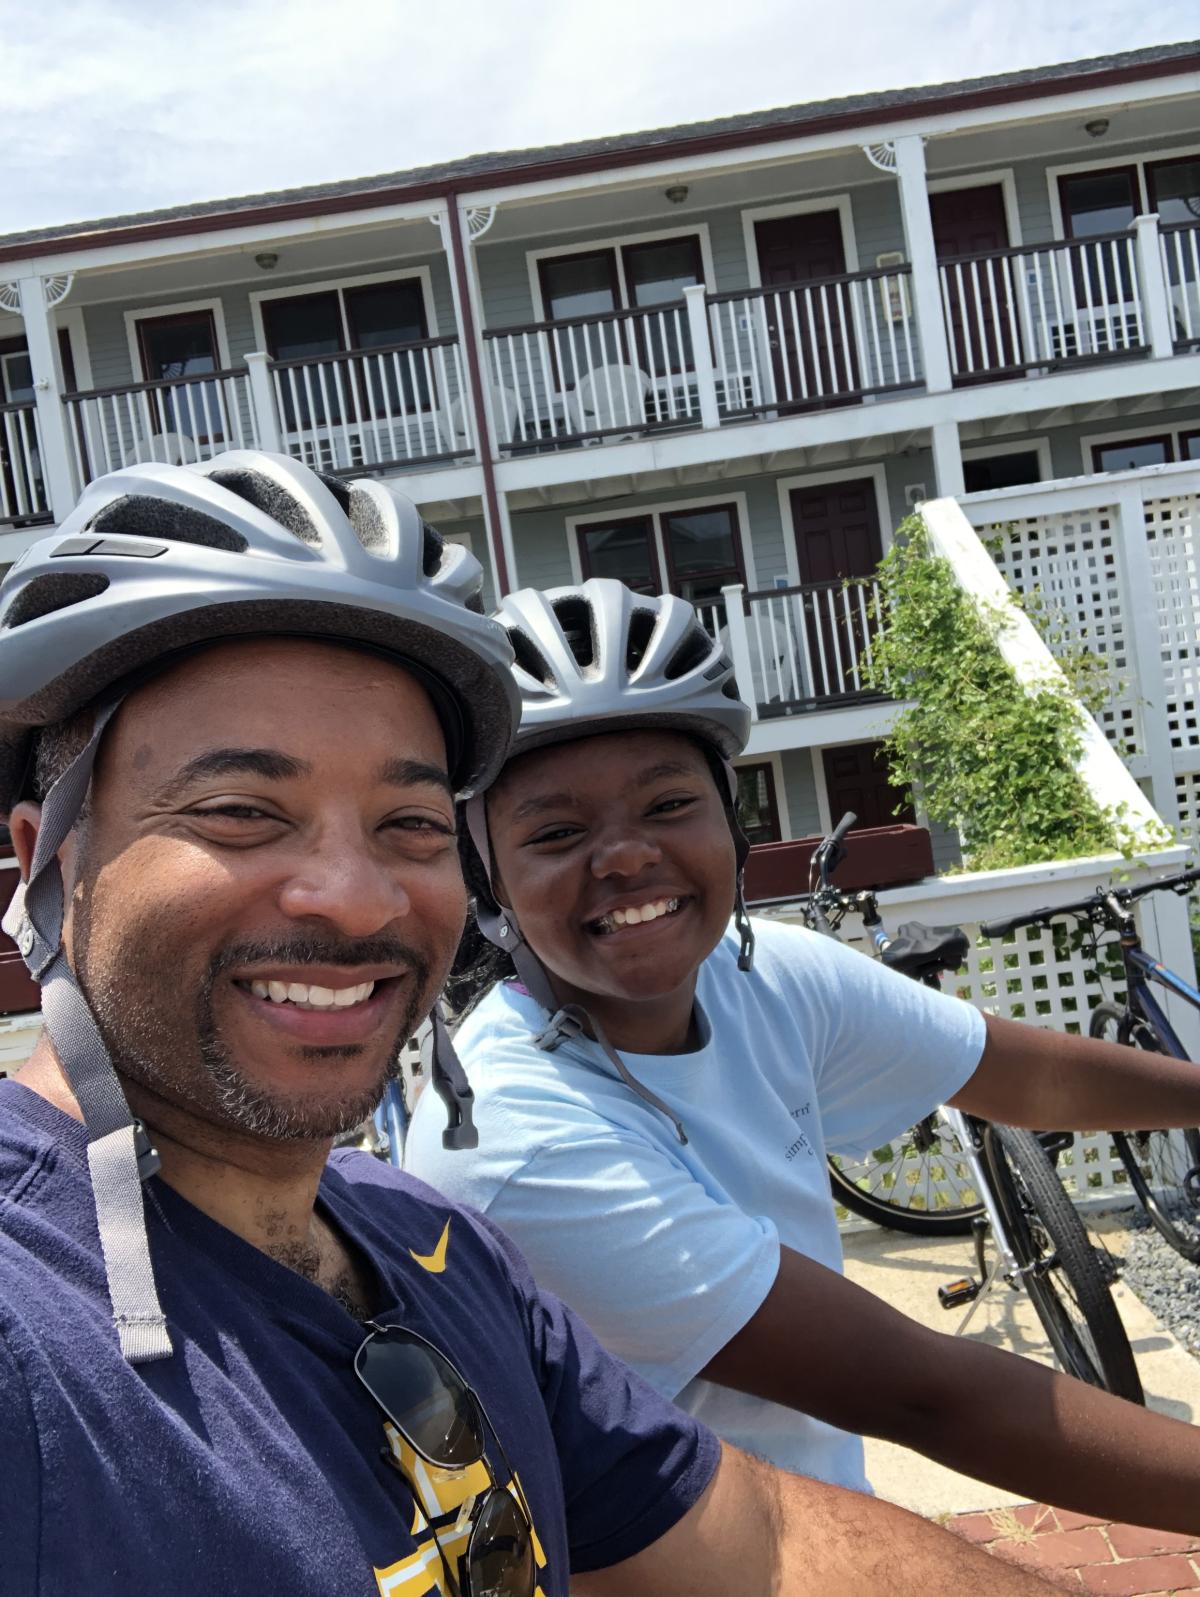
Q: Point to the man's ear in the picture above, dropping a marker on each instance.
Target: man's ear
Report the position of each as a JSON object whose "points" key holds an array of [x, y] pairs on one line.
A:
{"points": [[24, 824]]}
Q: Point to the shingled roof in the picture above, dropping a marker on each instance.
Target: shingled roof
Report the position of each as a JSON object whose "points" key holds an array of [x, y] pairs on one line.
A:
{"points": [[512, 166]]}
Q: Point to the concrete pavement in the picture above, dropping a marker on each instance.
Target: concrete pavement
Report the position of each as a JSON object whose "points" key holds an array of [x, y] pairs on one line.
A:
{"points": [[907, 1271]]}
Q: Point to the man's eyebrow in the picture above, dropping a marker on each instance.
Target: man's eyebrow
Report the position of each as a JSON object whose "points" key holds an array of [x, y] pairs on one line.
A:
{"points": [[271, 765], [415, 773]]}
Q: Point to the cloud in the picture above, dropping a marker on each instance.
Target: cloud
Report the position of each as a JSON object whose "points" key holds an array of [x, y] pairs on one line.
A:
{"points": [[115, 107]]}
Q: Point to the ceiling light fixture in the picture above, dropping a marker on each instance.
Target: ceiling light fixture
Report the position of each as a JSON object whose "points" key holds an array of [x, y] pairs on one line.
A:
{"points": [[677, 193], [267, 260], [1097, 128]]}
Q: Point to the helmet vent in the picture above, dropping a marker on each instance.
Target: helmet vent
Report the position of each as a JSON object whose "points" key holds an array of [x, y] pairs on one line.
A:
{"points": [[578, 628], [139, 516], [364, 515], [433, 550], [272, 498], [44, 595], [637, 640], [695, 649], [529, 658]]}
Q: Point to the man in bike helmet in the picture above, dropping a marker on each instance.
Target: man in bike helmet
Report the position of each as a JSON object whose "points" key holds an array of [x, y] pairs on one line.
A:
{"points": [[658, 1085], [238, 701]]}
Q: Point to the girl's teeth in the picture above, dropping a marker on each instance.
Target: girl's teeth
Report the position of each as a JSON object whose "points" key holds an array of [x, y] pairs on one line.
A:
{"points": [[636, 916], [277, 991]]}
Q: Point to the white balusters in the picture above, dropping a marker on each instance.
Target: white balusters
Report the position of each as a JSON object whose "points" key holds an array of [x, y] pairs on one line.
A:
{"points": [[23, 493], [1010, 310], [1180, 245], [175, 422], [811, 644], [814, 343]]}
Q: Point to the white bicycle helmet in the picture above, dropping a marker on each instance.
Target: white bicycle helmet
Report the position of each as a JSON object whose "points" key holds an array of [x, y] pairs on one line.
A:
{"points": [[600, 658], [160, 560]]}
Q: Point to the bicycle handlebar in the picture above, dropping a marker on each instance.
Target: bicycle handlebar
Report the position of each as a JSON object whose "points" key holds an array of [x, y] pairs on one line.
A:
{"points": [[1093, 905], [842, 827]]}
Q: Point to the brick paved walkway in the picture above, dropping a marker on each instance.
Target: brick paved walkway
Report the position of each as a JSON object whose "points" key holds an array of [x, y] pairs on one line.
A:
{"points": [[1087, 1555]]}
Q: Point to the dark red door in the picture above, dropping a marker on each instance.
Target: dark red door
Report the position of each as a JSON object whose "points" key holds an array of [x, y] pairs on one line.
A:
{"points": [[857, 777], [811, 337], [837, 536], [972, 222]]}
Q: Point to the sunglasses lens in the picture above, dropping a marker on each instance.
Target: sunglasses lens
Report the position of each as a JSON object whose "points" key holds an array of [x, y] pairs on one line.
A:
{"points": [[425, 1397], [500, 1558]]}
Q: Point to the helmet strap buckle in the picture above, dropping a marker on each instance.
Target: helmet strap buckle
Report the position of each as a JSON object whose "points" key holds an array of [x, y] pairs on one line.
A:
{"points": [[565, 1025], [148, 1161]]}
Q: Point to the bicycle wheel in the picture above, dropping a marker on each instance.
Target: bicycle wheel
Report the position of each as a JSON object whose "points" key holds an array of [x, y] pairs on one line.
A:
{"points": [[1163, 1166], [917, 1182], [1059, 1266]]}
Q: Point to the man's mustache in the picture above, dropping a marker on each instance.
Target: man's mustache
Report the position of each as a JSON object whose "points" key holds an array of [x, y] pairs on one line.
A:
{"points": [[310, 950]]}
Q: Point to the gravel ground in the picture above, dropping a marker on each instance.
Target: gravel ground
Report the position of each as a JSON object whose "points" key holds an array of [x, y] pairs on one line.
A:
{"points": [[1166, 1283]]}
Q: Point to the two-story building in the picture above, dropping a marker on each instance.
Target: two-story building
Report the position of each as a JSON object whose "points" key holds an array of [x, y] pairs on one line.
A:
{"points": [[723, 359]]}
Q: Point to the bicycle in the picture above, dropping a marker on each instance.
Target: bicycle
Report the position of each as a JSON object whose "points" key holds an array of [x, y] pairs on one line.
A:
{"points": [[1040, 1242], [1163, 1166]]}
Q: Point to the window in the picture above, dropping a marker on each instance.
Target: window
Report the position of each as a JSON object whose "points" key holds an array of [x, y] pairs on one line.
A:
{"points": [[16, 372], [698, 547], [628, 277], [1129, 453], [1174, 189], [1099, 202], [1009, 470], [1189, 446], [621, 549], [702, 551], [172, 347], [305, 327], [758, 808]]}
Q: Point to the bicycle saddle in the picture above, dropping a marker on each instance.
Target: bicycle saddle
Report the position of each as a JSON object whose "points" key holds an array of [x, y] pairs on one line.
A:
{"points": [[918, 950]]}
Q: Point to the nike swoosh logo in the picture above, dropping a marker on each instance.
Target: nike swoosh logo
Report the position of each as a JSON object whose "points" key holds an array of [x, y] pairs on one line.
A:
{"points": [[435, 1262]]}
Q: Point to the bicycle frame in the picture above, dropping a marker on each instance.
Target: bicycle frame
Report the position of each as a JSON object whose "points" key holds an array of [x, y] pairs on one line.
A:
{"points": [[1140, 972]]}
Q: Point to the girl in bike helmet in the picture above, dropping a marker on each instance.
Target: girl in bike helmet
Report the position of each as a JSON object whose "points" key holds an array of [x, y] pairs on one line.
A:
{"points": [[656, 1106]]}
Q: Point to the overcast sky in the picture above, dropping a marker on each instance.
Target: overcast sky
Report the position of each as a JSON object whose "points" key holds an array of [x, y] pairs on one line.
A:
{"points": [[112, 107]]}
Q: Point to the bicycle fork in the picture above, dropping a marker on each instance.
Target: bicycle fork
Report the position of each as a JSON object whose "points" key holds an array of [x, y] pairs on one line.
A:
{"points": [[1006, 1266]]}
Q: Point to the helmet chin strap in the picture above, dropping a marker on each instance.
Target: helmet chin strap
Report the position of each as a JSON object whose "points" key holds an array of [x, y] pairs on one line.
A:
{"points": [[119, 1152], [571, 1020]]}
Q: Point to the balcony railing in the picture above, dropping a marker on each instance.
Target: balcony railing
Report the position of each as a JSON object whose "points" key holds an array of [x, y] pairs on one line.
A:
{"points": [[814, 344], [1011, 310], [23, 499], [799, 648], [180, 420], [1181, 264], [361, 410], [591, 378]]}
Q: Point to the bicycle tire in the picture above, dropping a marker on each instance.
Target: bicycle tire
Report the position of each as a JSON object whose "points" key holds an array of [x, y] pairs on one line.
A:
{"points": [[1158, 1163], [1059, 1266], [902, 1186]]}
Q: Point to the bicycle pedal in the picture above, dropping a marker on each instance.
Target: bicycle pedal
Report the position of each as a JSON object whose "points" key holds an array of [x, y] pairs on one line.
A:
{"points": [[956, 1293]]}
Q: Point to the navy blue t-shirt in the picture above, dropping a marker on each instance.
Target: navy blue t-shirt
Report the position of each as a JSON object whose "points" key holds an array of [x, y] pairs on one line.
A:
{"points": [[253, 1461]]}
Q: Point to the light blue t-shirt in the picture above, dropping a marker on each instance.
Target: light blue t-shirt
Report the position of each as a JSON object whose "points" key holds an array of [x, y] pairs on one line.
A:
{"points": [[668, 1249]]}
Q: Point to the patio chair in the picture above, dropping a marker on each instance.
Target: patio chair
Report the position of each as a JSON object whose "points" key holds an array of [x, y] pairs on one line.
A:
{"points": [[506, 408], [609, 397]]}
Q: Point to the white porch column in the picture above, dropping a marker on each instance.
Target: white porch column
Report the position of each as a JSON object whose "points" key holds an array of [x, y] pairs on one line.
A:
{"points": [[739, 644], [1137, 582], [702, 361], [262, 398], [918, 235], [41, 336], [1152, 277], [947, 460]]}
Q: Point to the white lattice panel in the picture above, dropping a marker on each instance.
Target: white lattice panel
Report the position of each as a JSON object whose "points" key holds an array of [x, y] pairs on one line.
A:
{"points": [[1071, 557], [1036, 976], [1187, 796], [1172, 534]]}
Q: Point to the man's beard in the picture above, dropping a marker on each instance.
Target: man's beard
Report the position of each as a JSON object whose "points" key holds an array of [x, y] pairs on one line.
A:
{"points": [[144, 1045]]}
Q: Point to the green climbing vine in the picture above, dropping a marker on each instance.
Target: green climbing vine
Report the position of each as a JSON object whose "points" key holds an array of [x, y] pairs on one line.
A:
{"points": [[988, 755]]}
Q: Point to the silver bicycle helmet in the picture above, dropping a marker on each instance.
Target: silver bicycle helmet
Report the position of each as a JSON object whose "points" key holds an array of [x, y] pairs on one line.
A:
{"points": [[156, 561], [600, 658]]}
